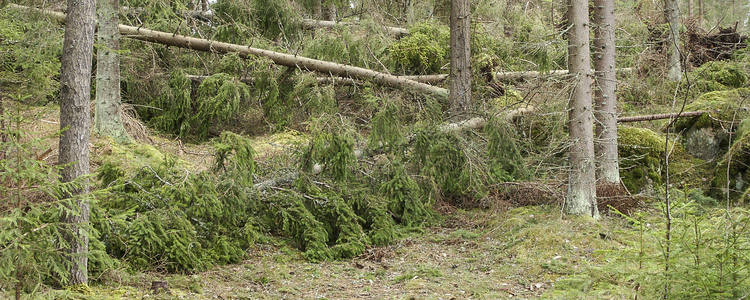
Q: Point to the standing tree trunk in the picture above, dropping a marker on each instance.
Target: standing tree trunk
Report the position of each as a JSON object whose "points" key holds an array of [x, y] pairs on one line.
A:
{"points": [[581, 198], [605, 99], [108, 116], [460, 85], [672, 14], [75, 94], [330, 11]]}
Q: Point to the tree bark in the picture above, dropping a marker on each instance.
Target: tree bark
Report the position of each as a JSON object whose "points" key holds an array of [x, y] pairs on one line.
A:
{"points": [[283, 59], [672, 14], [581, 198], [108, 115], [460, 84], [605, 97], [75, 82]]}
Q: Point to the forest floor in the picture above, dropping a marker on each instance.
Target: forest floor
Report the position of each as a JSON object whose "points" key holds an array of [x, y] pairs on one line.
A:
{"points": [[495, 253], [523, 253]]}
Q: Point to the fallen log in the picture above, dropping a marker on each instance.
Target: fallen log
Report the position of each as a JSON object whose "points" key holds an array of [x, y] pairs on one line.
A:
{"points": [[283, 59], [204, 15], [438, 78], [663, 116], [314, 24], [321, 80]]}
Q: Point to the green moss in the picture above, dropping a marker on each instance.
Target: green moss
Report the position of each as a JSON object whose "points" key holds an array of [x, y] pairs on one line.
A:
{"points": [[511, 98], [424, 51], [726, 106], [736, 162], [641, 156], [130, 157], [719, 75]]}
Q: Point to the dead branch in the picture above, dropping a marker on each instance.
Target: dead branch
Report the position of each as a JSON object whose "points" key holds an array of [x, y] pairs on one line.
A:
{"points": [[663, 116]]}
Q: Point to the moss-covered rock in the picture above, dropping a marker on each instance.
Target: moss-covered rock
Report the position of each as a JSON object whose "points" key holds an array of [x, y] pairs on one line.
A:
{"points": [[642, 153], [727, 104], [731, 176], [706, 136], [718, 75]]}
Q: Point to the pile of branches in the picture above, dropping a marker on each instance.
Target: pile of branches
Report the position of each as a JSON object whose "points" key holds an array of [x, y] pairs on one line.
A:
{"points": [[703, 47]]}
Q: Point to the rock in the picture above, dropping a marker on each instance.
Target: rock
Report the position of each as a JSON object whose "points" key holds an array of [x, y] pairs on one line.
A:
{"points": [[707, 143]]}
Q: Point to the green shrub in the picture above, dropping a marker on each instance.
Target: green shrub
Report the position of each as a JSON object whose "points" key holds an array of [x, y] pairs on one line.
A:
{"points": [[32, 238], [30, 51], [506, 162], [159, 219], [424, 51], [219, 98]]}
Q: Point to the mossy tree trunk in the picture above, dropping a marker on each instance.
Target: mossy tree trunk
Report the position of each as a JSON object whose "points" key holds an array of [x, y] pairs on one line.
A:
{"points": [[460, 77], [672, 15], [108, 115], [75, 82], [581, 198], [605, 98]]}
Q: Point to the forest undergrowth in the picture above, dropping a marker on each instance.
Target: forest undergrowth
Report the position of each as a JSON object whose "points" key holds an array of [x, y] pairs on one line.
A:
{"points": [[249, 180]]}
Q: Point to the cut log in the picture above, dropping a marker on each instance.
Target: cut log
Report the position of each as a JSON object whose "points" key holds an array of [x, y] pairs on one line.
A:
{"points": [[283, 59], [663, 116], [314, 24]]}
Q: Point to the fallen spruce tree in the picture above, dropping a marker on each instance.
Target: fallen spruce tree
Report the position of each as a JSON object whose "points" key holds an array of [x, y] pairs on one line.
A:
{"points": [[283, 59]]}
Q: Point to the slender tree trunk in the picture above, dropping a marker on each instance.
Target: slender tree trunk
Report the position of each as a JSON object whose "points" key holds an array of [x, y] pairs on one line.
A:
{"points": [[75, 82], [108, 116], [672, 14], [581, 198], [605, 99], [460, 84], [330, 11], [319, 9]]}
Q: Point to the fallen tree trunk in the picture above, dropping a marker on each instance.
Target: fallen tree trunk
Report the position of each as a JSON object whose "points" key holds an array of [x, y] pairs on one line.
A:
{"points": [[195, 14], [313, 24], [662, 116], [322, 80], [283, 59], [438, 78]]}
